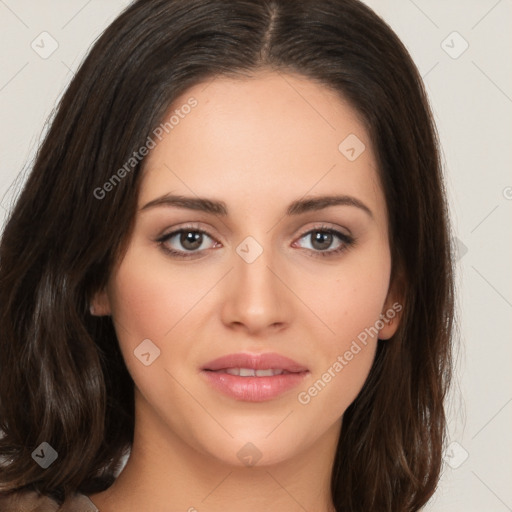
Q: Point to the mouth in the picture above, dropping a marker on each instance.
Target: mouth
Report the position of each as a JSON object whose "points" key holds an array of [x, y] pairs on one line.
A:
{"points": [[254, 377]]}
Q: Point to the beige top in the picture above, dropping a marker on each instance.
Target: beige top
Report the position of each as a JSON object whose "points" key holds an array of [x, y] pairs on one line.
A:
{"points": [[33, 502]]}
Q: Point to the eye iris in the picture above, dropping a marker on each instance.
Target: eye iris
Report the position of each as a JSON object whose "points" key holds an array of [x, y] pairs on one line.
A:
{"points": [[191, 240], [322, 238]]}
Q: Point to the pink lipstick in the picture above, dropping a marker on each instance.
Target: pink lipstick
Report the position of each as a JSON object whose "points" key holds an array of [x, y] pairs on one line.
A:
{"points": [[254, 377]]}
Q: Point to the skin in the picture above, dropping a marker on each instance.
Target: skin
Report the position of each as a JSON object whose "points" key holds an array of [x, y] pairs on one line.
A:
{"points": [[257, 144]]}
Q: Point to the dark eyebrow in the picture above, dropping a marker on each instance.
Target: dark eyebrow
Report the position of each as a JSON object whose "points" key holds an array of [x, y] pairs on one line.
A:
{"points": [[219, 207], [190, 203], [321, 202]]}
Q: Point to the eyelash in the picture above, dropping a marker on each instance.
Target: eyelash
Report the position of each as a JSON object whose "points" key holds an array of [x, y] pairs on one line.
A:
{"points": [[348, 241]]}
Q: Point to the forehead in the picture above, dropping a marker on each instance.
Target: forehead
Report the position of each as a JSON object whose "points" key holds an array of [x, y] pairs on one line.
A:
{"points": [[262, 138]]}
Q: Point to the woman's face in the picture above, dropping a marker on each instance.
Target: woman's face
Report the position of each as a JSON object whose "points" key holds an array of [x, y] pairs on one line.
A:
{"points": [[251, 262]]}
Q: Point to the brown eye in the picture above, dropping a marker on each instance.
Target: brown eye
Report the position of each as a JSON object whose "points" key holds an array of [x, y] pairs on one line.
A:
{"points": [[186, 242], [321, 241], [191, 240]]}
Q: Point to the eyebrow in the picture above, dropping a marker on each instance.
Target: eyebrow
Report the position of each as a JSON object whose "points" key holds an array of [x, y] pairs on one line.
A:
{"points": [[215, 207]]}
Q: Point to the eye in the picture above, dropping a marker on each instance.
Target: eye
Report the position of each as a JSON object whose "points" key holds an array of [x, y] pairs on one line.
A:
{"points": [[190, 241], [323, 238], [185, 242]]}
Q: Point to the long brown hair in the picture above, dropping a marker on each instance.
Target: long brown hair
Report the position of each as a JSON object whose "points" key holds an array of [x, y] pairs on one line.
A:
{"points": [[62, 377]]}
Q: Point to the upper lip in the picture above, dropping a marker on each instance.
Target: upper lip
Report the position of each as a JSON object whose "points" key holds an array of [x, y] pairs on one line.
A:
{"points": [[264, 361]]}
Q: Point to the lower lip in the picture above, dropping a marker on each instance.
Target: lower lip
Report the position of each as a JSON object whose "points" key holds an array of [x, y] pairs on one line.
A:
{"points": [[253, 389]]}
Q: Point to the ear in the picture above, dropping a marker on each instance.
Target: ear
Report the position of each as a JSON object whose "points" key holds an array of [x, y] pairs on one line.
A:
{"points": [[392, 311], [99, 305]]}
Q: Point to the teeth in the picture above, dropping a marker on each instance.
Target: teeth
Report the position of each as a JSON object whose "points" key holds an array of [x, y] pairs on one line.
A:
{"points": [[264, 373], [251, 372]]}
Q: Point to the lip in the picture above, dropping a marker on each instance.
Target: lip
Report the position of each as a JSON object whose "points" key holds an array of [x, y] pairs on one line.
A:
{"points": [[254, 389], [255, 361]]}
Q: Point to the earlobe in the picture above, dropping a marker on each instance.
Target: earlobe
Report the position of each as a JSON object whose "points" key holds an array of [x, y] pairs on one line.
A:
{"points": [[390, 320], [100, 304], [389, 329], [392, 311]]}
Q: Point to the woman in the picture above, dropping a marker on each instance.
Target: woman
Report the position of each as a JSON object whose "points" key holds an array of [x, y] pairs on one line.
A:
{"points": [[232, 263]]}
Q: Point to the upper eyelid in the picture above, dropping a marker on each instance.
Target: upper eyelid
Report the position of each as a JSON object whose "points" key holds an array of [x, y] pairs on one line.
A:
{"points": [[179, 229]]}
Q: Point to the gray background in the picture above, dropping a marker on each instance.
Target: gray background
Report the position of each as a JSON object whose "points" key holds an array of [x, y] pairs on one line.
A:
{"points": [[471, 95]]}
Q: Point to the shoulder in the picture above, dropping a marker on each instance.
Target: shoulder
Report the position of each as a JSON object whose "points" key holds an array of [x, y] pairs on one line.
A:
{"points": [[26, 501], [78, 503], [31, 501]]}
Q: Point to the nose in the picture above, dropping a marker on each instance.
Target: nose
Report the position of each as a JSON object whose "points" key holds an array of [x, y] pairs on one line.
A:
{"points": [[257, 301]]}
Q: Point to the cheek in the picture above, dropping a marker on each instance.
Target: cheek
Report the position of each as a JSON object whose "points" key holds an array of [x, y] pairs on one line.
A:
{"points": [[349, 304], [150, 301], [331, 391], [147, 300], [346, 356], [349, 298]]}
